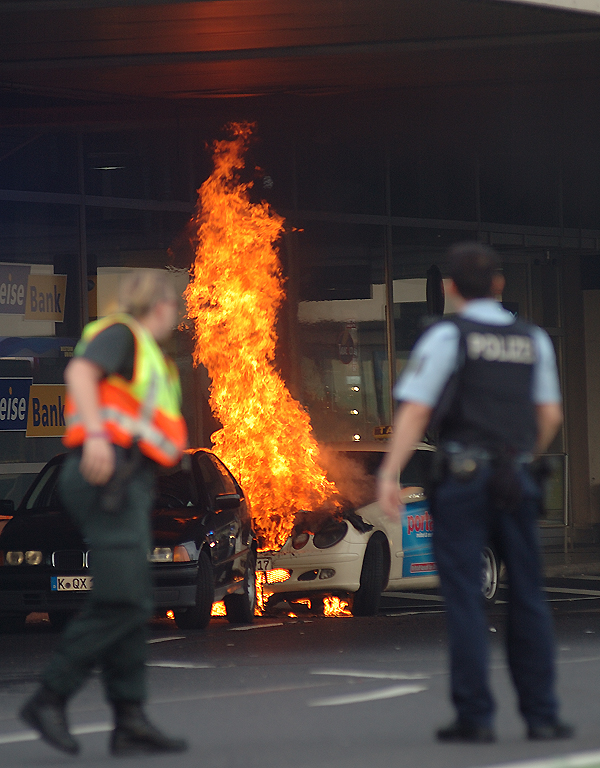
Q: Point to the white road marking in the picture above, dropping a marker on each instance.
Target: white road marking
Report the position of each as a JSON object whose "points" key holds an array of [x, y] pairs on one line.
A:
{"points": [[357, 698], [371, 675], [579, 598], [77, 730], [256, 626], [415, 596], [179, 665], [243, 692], [571, 591], [164, 639], [412, 613], [575, 760]]}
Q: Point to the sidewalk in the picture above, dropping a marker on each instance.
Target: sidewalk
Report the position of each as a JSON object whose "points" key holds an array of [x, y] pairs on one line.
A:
{"points": [[581, 561]]}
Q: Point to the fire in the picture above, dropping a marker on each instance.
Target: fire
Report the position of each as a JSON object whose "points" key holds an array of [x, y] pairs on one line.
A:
{"points": [[218, 609], [333, 606], [233, 299]]}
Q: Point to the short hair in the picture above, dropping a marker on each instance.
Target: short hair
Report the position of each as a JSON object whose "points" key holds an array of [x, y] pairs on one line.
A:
{"points": [[142, 289], [472, 267]]}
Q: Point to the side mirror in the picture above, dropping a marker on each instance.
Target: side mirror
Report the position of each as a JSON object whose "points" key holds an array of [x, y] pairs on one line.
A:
{"points": [[7, 507], [227, 501]]}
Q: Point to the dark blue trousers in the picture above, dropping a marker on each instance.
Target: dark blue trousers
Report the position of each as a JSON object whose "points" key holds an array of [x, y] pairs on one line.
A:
{"points": [[463, 523]]}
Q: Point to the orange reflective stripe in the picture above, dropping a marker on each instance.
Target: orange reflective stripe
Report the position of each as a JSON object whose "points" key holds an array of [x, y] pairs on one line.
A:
{"points": [[145, 409]]}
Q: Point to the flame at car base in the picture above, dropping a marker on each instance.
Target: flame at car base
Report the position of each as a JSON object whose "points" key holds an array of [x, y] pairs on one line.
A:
{"points": [[233, 299]]}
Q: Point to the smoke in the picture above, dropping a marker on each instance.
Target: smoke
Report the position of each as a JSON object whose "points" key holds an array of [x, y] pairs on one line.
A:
{"points": [[353, 475]]}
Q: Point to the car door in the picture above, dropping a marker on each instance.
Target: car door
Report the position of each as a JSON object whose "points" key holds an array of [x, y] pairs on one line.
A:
{"points": [[223, 525]]}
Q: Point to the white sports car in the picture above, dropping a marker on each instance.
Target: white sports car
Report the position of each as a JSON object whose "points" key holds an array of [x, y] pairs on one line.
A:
{"points": [[364, 554]]}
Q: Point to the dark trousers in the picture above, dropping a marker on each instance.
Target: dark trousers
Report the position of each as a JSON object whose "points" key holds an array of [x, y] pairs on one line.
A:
{"points": [[464, 523], [110, 632]]}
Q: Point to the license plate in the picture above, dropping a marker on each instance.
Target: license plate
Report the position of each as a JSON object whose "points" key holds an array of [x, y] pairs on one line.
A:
{"points": [[71, 583], [263, 564]]}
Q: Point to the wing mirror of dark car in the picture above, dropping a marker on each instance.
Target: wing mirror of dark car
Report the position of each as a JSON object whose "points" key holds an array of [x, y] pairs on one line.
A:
{"points": [[227, 501], [7, 507]]}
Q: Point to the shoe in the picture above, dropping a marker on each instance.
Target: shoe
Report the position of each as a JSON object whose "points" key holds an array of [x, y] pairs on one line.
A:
{"points": [[555, 730], [460, 731], [45, 713], [134, 734]]}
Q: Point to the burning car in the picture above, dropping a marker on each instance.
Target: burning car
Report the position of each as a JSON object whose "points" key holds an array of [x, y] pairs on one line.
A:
{"points": [[357, 555], [204, 548]]}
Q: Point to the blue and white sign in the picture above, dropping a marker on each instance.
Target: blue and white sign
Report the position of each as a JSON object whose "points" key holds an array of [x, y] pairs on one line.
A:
{"points": [[417, 532], [14, 402]]}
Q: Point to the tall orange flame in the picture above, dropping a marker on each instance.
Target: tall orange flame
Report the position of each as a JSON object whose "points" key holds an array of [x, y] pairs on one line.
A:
{"points": [[236, 291]]}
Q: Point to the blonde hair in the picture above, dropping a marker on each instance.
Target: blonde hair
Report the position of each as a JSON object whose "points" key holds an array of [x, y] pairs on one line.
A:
{"points": [[143, 289]]}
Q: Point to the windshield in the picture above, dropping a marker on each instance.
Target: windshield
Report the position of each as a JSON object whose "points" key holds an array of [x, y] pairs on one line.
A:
{"points": [[43, 493]]}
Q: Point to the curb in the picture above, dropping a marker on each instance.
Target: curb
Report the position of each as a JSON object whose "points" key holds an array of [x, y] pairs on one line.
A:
{"points": [[572, 569]]}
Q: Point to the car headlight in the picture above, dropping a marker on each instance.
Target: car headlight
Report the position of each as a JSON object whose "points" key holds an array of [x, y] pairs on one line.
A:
{"points": [[14, 558], [178, 554], [300, 540], [161, 555], [33, 557], [330, 535], [181, 555]]}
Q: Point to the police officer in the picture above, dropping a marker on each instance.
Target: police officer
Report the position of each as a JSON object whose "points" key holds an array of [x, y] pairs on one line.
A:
{"points": [[123, 414], [490, 384]]}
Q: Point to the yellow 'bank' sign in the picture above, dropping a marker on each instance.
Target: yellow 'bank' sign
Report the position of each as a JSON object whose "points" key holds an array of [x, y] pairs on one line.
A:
{"points": [[46, 412], [45, 297]]}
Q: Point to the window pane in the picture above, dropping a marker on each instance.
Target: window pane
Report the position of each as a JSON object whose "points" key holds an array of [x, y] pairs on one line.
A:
{"points": [[341, 331]]}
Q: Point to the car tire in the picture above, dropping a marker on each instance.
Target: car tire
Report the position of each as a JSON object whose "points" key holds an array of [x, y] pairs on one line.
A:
{"points": [[198, 616], [12, 623], [240, 608], [367, 598], [490, 572], [60, 619]]}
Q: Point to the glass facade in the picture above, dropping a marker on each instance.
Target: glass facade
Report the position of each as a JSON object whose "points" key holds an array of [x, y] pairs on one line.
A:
{"points": [[372, 198]]}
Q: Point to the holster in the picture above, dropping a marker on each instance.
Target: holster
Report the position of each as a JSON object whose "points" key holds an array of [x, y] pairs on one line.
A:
{"points": [[506, 490], [128, 461]]}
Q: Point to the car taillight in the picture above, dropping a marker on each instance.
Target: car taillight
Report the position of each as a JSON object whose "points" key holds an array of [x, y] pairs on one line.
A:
{"points": [[300, 540]]}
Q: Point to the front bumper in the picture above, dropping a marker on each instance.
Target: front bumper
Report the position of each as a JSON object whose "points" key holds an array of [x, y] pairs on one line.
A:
{"points": [[347, 567], [29, 592]]}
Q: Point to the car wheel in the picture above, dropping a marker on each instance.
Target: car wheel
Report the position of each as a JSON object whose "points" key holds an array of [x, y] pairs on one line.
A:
{"points": [[367, 598], [12, 623], [198, 616], [240, 608], [490, 569], [60, 619]]}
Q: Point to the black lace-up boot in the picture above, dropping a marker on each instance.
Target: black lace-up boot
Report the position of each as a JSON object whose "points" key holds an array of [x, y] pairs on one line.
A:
{"points": [[134, 734], [45, 713]]}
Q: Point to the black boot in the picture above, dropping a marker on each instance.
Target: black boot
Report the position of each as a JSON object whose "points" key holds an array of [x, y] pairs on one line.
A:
{"points": [[553, 730], [461, 731], [45, 713], [134, 734]]}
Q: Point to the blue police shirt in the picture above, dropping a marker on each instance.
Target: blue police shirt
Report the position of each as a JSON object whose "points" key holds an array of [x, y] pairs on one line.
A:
{"points": [[435, 357]]}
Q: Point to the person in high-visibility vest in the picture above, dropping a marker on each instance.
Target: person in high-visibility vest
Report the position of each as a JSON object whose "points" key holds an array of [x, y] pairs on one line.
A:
{"points": [[123, 415]]}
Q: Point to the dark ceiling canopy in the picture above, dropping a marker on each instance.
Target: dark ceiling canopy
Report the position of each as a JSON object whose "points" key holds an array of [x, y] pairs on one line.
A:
{"points": [[103, 52]]}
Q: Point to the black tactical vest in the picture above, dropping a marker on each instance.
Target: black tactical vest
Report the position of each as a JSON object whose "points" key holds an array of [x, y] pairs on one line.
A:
{"points": [[491, 403]]}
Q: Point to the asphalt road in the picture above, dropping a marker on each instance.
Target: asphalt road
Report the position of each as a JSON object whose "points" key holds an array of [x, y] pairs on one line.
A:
{"points": [[319, 692]]}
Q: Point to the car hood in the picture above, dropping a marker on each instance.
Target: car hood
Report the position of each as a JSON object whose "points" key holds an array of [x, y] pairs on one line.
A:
{"points": [[47, 531], [172, 526]]}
